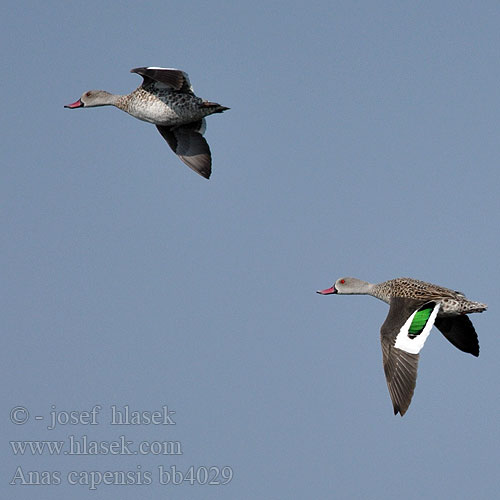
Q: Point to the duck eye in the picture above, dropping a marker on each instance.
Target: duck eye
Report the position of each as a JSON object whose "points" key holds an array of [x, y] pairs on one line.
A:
{"points": [[342, 282]]}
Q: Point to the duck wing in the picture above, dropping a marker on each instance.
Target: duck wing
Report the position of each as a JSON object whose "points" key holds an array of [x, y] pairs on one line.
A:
{"points": [[460, 331], [173, 78], [188, 143], [402, 336]]}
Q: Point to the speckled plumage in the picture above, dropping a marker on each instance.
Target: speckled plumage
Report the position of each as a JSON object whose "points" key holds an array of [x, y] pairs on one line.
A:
{"points": [[165, 107], [452, 302], [167, 100]]}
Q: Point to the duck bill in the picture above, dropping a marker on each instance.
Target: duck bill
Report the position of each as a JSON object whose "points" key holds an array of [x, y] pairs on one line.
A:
{"points": [[76, 104], [327, 291]]}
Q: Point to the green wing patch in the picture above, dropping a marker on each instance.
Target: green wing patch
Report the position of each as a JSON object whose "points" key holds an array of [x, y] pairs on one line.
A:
{"points": [[420, 319]]}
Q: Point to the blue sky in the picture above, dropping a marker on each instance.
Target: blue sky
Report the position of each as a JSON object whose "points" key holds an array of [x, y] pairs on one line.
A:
{"points": [[361, 141]]}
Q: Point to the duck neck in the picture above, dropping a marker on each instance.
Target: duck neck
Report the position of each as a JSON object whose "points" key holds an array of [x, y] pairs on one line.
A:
{"points": [[115, 100], [381, 291], [366, 288]]}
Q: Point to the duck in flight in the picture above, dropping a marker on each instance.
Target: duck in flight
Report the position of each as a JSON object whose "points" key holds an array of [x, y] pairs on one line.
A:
{"points": [[166, 99], [414, 307]]}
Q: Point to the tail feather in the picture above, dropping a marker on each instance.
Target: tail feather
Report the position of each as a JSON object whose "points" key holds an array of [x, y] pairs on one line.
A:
{"points": [[217, 108], [477, 307]]}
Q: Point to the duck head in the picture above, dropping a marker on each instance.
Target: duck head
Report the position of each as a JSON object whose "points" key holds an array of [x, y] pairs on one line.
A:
{"points": [[347, 286], [91, 99]]}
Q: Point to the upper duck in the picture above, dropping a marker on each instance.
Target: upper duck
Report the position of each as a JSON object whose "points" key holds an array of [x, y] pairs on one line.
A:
{"points": [[414, 307], [167, 100]]}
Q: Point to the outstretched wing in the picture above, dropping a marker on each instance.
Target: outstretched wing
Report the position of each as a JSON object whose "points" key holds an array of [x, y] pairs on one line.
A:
{"points": [[403, 335], [188, 143], [460, 331], [171, 77]]}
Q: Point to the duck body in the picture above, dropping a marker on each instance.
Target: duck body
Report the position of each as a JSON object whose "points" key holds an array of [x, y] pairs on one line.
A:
{"points": [[414, 307], [161, 106], [165, 99], [452, 302]]}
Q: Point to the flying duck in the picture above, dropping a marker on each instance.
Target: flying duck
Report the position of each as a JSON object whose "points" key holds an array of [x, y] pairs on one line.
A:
{"points": [[166, 99], [414, 307]]}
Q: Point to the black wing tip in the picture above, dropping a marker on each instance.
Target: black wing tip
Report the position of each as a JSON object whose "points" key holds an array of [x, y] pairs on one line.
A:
{"points": [[460, 332], [470, 349]]}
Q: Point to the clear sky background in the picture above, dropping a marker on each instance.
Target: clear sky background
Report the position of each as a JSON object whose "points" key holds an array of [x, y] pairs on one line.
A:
{"points": [[362, 141]]}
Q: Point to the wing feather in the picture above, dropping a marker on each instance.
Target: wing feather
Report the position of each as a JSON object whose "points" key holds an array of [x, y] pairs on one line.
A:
{"points": [[171, 77], [401, 366], [190, 146]]}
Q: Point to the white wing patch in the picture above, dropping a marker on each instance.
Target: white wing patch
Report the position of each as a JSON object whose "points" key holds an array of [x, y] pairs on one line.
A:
{"points": [[203, 127], [158, 67], [415, 344]]}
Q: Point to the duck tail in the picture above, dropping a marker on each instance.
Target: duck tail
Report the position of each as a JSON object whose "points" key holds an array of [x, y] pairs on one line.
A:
{"points": [[477, 307], [216, 108]]}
